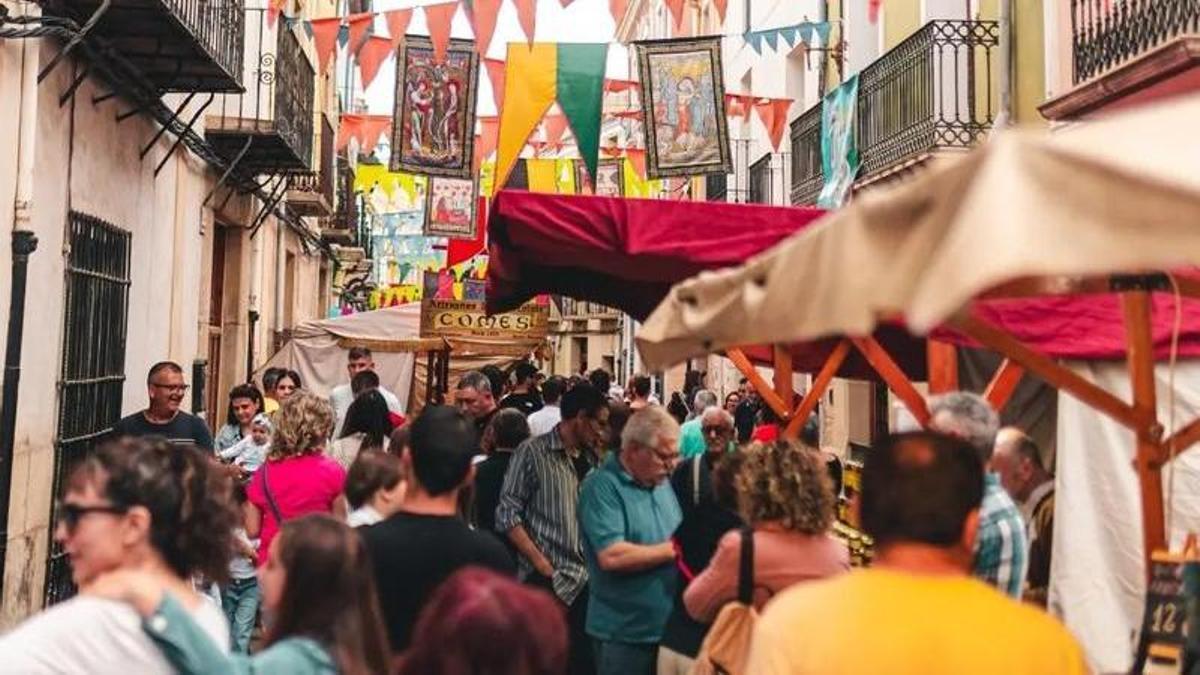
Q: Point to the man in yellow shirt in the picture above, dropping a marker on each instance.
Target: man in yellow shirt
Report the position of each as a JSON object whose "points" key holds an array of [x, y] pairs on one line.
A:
{"points": [[916, 610]]}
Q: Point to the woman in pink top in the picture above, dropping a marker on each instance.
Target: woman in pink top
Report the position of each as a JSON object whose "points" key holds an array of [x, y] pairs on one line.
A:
{"points": [[786, 497], [297, 478]]}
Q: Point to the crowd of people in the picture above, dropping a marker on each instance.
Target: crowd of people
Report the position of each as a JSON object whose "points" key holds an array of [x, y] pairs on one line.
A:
{"points": [[542, 526]]}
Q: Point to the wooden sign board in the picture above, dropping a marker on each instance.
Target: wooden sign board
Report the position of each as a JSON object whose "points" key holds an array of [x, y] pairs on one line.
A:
{"points": [[1165, 623], [463, 318]]}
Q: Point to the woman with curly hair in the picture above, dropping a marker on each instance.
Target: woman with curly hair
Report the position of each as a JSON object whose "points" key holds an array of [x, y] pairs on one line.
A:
{"points": [[785, 497], [136, 504], [297, 478]]}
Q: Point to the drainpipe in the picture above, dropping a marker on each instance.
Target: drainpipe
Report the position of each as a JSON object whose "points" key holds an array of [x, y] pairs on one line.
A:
{"points": [[280, 276], [24, 242], [1004, 116]]}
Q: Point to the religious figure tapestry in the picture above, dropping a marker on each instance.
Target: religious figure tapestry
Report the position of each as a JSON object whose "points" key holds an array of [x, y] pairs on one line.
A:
{"points": [[450, 211], [433, 132], [683, 102], [610, 179]]}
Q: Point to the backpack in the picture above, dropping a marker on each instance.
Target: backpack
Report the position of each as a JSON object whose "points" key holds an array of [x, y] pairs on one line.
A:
{"points": [[726, 648]]}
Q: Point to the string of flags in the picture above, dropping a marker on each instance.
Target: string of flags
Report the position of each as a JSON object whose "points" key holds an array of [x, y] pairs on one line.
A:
{"points": [[808, 32]]}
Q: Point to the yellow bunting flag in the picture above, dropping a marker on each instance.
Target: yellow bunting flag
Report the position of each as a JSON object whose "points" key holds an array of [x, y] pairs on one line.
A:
{"points": [[542, 175], [526, 100]]}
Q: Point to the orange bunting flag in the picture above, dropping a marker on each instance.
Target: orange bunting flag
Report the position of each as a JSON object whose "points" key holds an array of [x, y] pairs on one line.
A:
{"points": [[773, 113], [439, 17], [496, 71], [486, 143], [676, 7], [373, 128], [739, 105], [359, 23], [618, 8], [397, 21], [274, 7], [371, 56], [527, 16], [483, 21], [637, 157], [617, 86], [325, 32], [556, 126], [721, 6], [627, 114], [611, 151]]}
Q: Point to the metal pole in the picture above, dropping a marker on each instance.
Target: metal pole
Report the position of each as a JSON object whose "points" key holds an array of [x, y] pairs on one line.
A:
{"points": [[24, 242]]}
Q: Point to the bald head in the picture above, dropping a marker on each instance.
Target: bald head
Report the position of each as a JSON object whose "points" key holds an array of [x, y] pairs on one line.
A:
{"points": [[717, 426], [1018, 461]]}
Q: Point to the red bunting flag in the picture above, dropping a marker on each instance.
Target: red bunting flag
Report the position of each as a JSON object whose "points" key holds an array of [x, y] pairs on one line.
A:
{"points": [[462, 250], [617, 86], [359, 23], [739, 105], [556, 126], [489, 135], [325, 33], [372, 129], [627, 114], [676, 7], [527, 16], [618, 8], [483, 21], [721, 6], [371, 56], [274, 7], [439, 18], [496, 71], [773, 113], [397, 21], [873, 10]]}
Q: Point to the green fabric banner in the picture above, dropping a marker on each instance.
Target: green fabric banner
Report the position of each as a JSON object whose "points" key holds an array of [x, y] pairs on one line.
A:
{"points": [[839, 148], [581, 95]]}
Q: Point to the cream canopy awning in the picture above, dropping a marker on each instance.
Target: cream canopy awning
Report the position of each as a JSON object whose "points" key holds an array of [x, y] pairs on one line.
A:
{"points": [[1116, 195]]}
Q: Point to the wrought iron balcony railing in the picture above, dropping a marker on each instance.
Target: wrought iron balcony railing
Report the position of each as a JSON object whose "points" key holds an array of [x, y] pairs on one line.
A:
{"points": [[930, 92], [312, 194], [1109, 33], [269, 128], [350, 223], [760, 181], [716, 187], [180, 45]]}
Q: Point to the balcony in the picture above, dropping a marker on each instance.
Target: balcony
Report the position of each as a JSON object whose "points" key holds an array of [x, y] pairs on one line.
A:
{"points": [[1129, 48], [580, 310], [269, 128], [312, 194], [345, 225], [180, 45], [929, 94]]}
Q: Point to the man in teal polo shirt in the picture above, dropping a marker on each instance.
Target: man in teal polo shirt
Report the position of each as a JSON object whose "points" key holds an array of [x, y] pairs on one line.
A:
{"points": [[628, 512]]}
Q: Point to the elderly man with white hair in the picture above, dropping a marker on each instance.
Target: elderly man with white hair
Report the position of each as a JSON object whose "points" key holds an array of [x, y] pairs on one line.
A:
{"points": [[1001, 547], [627, 514], [691, 439]]}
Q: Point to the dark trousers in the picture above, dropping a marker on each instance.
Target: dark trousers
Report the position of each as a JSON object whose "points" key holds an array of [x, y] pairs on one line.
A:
{"points": [[623, 658], [580, 659]]}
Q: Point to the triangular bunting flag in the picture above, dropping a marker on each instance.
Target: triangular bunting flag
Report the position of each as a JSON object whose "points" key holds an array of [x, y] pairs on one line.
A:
{"points": [[618, 8], [462, 250], [526, 100], [348, 128], [556, 126], [822, 30], [343, 36], [325, 33], [486, 143], [483, 15], [754, 39], [496, 72], [637, 157], [773, 114], [359, 23], [371, 56], [372, 128], [397, 22], [439, 18], [721, 6], [581, 95], [676, 8], [527, 16], [873, 10], [789, 34], [738, 105], [616, 86], [772, 38]]}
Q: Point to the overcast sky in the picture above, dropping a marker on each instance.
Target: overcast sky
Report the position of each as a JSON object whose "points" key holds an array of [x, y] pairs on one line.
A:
{"points": [[582, 21]]}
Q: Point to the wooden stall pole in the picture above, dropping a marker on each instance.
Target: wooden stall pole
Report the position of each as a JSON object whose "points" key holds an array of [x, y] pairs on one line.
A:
{"points": [[942, 360], [782, 361], [1003, 384], [1140, 349], [893, 376], [820, 383], [747, 369]]}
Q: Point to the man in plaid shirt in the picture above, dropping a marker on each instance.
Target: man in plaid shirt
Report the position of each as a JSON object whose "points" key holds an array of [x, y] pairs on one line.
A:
{"points": [[1001, 549]]}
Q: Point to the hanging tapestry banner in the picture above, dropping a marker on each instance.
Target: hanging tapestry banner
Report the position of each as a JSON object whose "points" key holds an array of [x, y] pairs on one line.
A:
{"points": [[610, 179], [839, 149], [434, 127], [450, 211], [683, 96]]}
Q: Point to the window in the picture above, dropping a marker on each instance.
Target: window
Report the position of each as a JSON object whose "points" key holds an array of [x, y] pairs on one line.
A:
{"points": [[92, 375], [760, 181]]}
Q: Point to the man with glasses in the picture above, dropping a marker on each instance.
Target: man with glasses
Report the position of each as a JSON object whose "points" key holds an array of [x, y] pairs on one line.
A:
{"points": [[705, 521], [538, 504], [628, 512], [166, 389]]}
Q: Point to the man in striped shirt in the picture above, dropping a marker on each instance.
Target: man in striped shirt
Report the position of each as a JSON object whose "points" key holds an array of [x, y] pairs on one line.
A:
{"points": [[538, 509], [1001, 548]]}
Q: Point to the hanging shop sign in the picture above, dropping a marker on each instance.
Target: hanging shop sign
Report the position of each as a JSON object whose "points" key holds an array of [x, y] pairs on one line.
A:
{"points": [[463, 318]]}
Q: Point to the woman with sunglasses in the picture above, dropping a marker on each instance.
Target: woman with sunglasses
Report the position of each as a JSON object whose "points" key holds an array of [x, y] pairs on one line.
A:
{"points": [[137, 504]]}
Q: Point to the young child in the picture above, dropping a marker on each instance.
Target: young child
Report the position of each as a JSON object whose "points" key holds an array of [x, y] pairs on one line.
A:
{"points": [[374, 487], [240, 597], [249, 453]]}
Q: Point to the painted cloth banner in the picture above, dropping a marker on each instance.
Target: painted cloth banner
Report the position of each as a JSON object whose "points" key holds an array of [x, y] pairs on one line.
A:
{"points": [[839, 149], [434, 129]]}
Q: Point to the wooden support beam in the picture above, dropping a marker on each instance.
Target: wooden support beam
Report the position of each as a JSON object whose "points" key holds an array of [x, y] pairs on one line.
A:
{"points": [[895, 378], [1057, 376], [1003, 384], [820, 384], [782, 362], [942, 364], [1139, 347], [760, 384]]}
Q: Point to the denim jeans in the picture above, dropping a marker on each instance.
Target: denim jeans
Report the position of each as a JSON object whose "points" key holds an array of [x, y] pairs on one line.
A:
{"points": [[623, 658], [240, 601]]}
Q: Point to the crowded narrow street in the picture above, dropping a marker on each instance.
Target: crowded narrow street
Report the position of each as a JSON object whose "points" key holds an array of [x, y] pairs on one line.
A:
{"points": [[600, 337]]}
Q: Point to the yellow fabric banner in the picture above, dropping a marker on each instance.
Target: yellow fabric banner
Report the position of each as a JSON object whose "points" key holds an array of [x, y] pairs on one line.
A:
{"points": [[367, 175], [542, 175], [566, 176], [529, 91]]}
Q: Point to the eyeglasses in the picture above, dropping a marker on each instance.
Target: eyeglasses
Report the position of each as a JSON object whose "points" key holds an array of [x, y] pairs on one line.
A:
{"points": [[667, 459], [70, 514], [173, 388], [718, 429]]}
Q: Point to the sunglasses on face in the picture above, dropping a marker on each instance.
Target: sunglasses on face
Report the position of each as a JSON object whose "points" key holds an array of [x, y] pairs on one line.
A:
{"points": [[718, 429], [71, 514]]}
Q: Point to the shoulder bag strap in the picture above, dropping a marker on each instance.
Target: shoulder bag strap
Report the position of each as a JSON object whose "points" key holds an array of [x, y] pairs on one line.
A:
{"points": [[270, 497], [696, 480], [746, 568]]}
